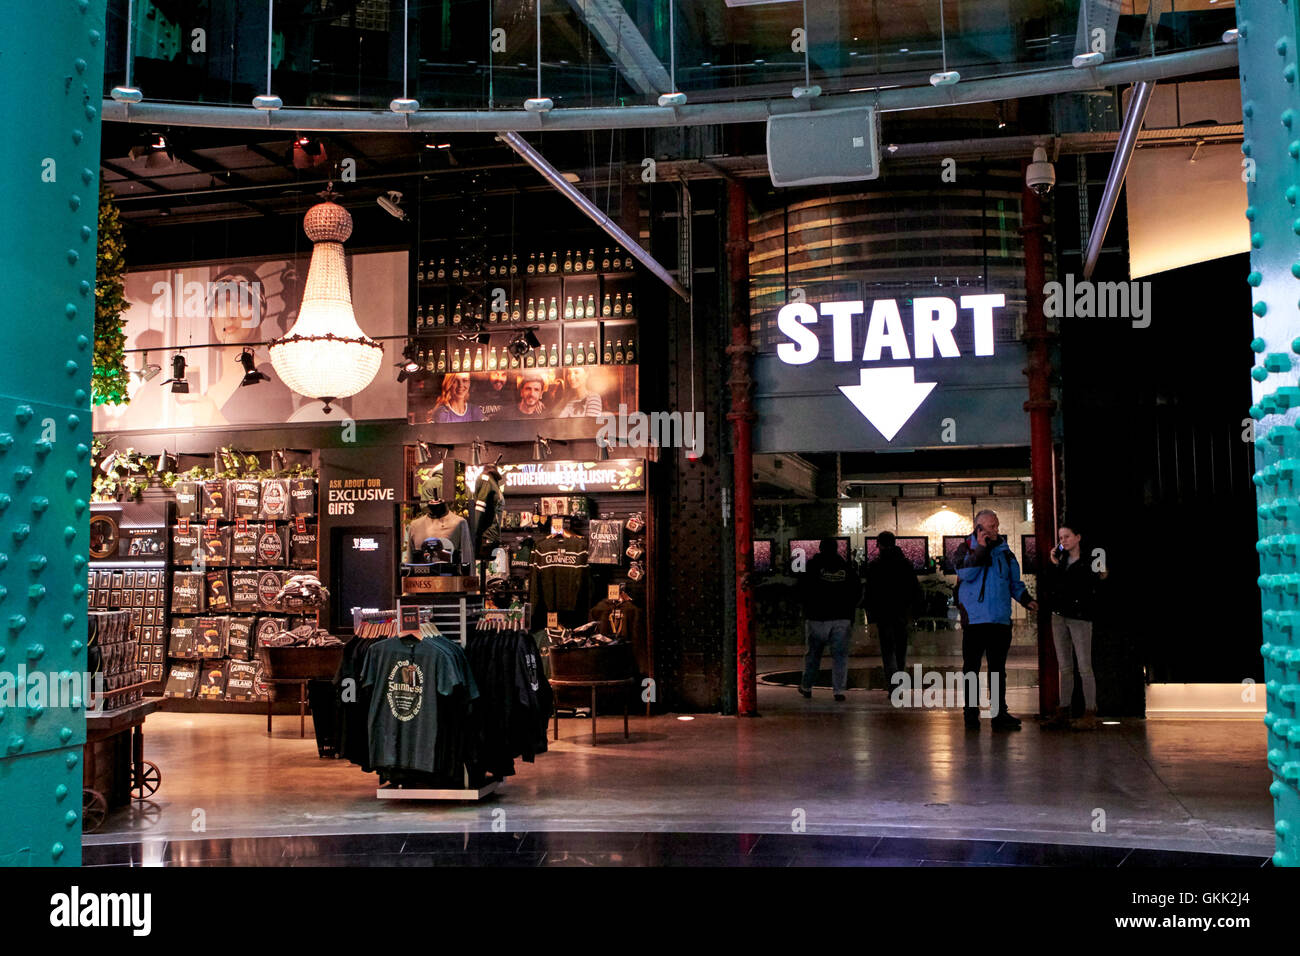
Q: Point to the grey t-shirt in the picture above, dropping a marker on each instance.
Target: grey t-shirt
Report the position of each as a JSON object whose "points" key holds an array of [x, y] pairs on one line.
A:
{"points": [[450, 526]]}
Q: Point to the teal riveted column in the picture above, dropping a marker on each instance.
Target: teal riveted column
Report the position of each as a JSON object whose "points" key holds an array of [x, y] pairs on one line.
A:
{"points": [[51, 74], [1270, 90]]}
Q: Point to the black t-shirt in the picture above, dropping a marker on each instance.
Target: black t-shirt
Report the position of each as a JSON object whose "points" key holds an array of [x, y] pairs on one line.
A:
{"points": [[558, 581], [403, 675]]}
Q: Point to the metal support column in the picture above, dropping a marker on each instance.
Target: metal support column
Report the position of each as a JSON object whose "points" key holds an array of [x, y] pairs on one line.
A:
{"points": [[52, 72], [742, 419], [1041, 408], [1267, 38]]}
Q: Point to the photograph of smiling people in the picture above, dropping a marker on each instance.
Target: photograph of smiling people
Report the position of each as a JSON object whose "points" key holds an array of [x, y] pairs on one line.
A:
{"points": [[453, 404], [226, 307]]}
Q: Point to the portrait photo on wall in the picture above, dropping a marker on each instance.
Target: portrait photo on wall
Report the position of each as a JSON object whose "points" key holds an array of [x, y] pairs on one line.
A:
{"points": [[210, 314], [576, 391]]}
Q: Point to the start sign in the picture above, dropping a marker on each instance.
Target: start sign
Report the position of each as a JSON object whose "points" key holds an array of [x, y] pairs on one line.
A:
{"points": [[899, 363]]}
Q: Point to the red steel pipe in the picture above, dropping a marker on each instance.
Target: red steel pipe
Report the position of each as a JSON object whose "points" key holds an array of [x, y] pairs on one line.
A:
{"points": [[1040, 408], [742, 417]]}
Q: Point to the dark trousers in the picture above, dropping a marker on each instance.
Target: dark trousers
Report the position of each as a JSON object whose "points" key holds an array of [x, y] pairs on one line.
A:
{"points": [[977, 641], [892, 629]]}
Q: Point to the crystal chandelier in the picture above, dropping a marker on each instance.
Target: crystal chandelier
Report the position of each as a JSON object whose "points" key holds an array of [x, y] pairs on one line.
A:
{"points": [[326, 355]]}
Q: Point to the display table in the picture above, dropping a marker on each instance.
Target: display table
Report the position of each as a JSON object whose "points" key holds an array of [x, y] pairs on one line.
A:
{"points": [[297, 665], [627, 683], [142, 778]]}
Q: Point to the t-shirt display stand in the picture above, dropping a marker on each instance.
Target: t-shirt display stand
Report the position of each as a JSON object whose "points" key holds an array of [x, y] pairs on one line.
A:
{"points": [[463, 793]]}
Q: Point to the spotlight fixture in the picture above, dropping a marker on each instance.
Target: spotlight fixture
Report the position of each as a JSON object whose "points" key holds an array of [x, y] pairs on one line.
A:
{"points": [[391, 204], [148, 371], [410, 366], [673, 100], [531, 339], [251, 375], [422, 454], [518, 346], [539, 104], [1002, 116], [806, 92], [945, 78], [1085, 60], [177, 381], [165, 461]]}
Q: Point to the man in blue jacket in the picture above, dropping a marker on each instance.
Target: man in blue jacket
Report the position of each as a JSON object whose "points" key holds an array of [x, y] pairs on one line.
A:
{"points": [[988, 578]]}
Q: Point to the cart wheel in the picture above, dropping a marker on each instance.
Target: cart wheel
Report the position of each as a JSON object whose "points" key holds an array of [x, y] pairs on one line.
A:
{"points": [[149, 781], [94, 808]]}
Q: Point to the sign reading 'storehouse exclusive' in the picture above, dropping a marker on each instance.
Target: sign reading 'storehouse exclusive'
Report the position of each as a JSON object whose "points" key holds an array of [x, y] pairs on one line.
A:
{"points": [[891, 374]]}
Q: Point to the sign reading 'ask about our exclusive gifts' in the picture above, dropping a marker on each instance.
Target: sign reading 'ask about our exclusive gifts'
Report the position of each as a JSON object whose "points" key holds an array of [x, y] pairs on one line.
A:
{"points": [[891, 375]]}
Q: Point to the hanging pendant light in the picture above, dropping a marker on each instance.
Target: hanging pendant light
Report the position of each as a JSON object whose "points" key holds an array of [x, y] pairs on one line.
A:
{"points": [[326, 355]]}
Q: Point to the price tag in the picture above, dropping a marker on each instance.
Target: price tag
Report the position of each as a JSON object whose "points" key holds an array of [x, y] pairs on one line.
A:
{"points": [[212, 525], [615, 592], [408, 620], [241, 524], [300, 523], [552, 619], [183, 525]]}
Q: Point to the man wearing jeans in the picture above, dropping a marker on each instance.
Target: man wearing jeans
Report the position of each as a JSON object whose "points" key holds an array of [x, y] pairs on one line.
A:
{"points": [[830, 598], [988, 577]]}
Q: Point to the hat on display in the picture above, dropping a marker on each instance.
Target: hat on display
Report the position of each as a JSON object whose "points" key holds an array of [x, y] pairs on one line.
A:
{"points": [[431, 490]]}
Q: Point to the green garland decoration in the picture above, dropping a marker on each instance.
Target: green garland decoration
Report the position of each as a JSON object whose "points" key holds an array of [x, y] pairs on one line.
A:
{"points": [[109, 378]]}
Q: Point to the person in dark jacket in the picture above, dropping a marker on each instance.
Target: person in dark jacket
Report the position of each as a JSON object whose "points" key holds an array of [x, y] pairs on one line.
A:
{"points": [[830, 598], [1073, 592], [891, 594]]}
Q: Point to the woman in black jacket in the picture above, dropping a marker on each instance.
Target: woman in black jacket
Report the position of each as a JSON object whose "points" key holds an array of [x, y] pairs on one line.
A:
{"points": [[1073, 595]]}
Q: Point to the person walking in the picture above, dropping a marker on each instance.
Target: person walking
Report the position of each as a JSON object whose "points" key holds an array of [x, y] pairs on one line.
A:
{"points": [[891, 595], [1072, 589], [988, 577], [830, 599]]}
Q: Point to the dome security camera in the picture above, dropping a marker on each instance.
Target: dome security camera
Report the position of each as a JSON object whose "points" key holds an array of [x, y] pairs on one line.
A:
{"points": [[1041, 174]]}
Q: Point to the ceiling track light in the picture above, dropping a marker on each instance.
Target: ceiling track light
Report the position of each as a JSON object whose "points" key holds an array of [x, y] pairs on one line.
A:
{"points": [[251, 375], [177, 381]]}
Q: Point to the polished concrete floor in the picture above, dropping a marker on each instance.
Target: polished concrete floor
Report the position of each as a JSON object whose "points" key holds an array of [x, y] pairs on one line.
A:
{"points": [[856, 769]]}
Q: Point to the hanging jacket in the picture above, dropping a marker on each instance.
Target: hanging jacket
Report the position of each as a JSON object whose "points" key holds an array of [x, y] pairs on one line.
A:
{"points": [[485, 513], [988, 577]]}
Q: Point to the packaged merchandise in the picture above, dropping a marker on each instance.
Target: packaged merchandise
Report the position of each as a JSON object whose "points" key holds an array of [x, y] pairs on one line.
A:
{"points": [[188, 499], [240, 676], [271, 550], [212, 680], [302, 496], [243, 545], [216, 503], [218, 591], [245, 497], [181, 680], [243, 590], [188, 591], [210, 637], [182, 643], [239, 638], [275, 498]]}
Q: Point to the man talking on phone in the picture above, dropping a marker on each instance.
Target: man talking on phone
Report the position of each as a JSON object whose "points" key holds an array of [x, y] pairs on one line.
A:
{"points": [[988, 577]]}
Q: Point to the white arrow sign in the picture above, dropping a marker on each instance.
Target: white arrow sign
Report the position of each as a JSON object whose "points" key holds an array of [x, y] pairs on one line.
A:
{"points": [[888, 397]]}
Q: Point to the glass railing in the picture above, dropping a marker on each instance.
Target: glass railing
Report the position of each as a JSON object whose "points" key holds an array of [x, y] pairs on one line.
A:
{"points": [[483, 54]]}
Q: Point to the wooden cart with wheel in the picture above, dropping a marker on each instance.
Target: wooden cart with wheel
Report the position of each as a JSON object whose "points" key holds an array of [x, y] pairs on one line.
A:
{"points": [[144, 778]]}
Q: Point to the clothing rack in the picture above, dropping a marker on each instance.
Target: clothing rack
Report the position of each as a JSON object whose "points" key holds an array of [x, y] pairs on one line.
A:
{"points": [[429, 614]]}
